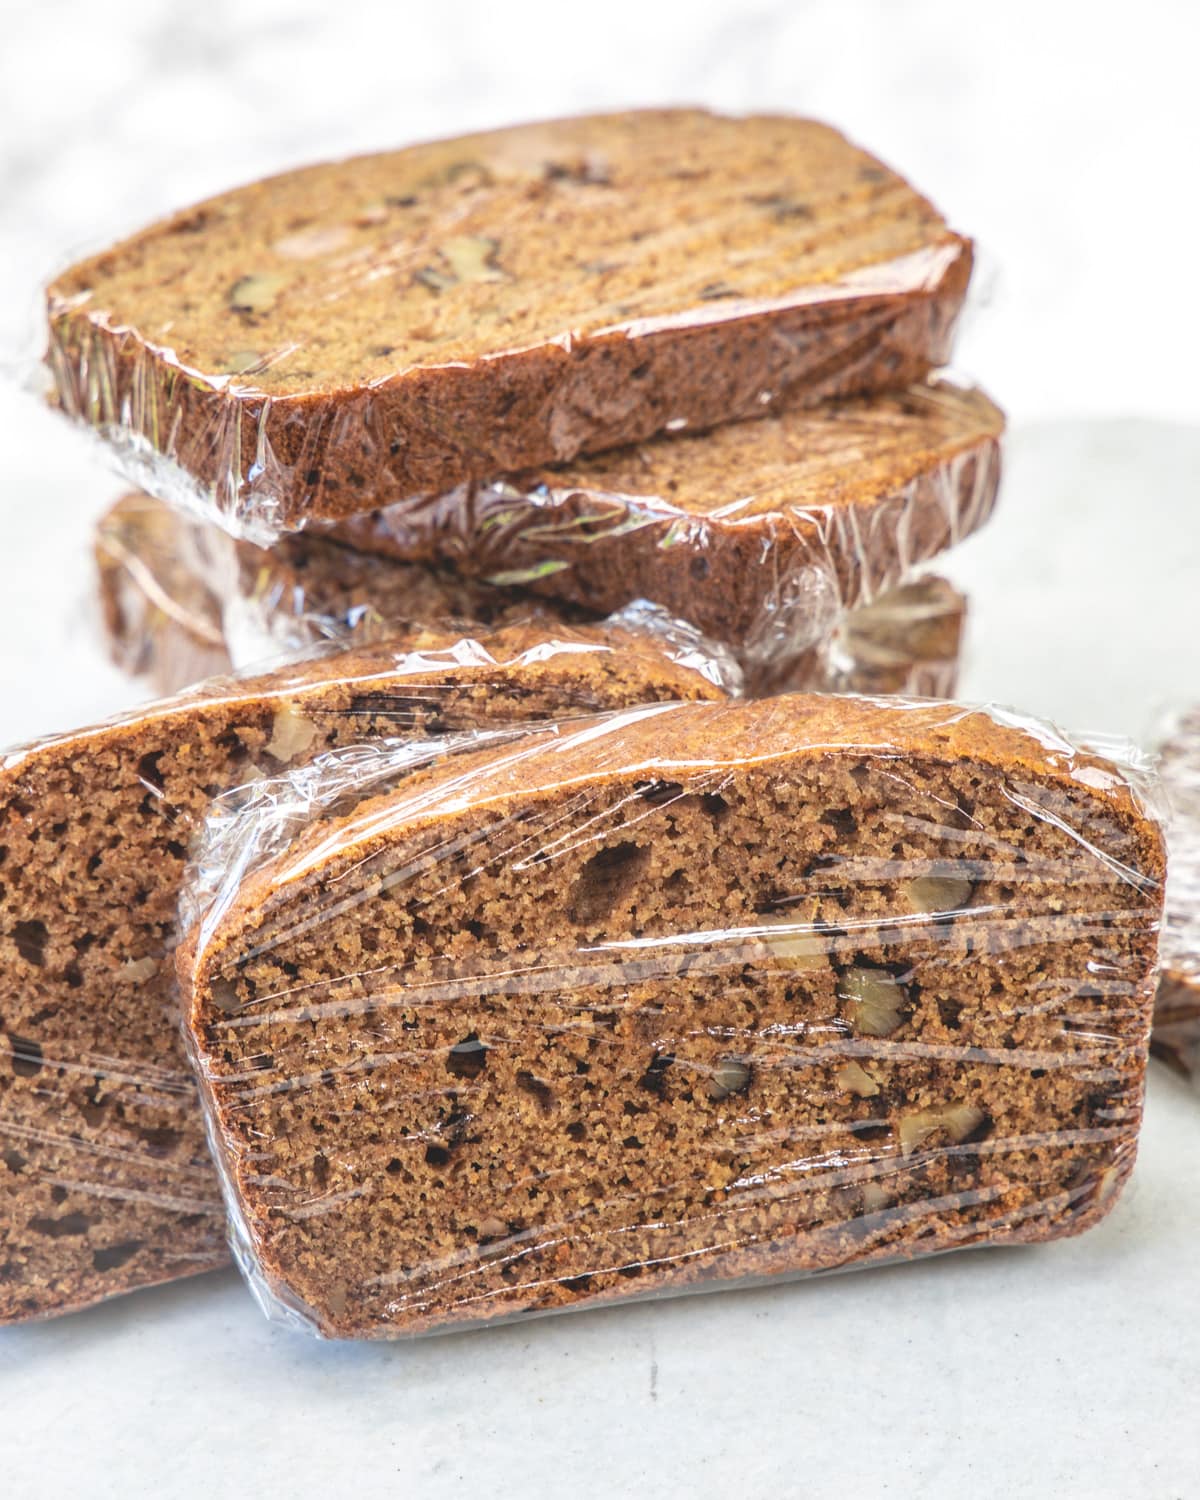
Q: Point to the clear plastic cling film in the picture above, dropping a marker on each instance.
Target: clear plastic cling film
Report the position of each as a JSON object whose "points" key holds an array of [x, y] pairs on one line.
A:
{"points": [[180, 596], [161, 619], [761, 534], [106, 1183], [675, 998], [1176, 1037], [354, 334]]}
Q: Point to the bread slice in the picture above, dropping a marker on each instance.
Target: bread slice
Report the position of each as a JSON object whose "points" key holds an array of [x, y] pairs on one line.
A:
{"points": [[105, 1181], [1176, 1037], [759, 534], [692, 994], [356, 333], [169, 583], [179, 595]]}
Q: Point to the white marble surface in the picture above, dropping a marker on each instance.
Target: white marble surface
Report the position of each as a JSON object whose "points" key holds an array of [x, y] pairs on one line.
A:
{"points": [[1054, 132]]}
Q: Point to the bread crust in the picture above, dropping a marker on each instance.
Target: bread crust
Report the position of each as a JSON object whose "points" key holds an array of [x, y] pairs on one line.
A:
{"points": [[705, 268]]}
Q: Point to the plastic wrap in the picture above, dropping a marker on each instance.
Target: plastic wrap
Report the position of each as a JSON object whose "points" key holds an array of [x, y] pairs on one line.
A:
{"points": [[174, 590], [1176, 1037], [906, 642], [168, 583], [353, 334], [161, 620], [760, 534], [681, 997], [105, 1182]]}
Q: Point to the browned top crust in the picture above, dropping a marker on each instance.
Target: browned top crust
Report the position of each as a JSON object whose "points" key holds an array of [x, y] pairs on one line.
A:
{"points": [[356, 332]]}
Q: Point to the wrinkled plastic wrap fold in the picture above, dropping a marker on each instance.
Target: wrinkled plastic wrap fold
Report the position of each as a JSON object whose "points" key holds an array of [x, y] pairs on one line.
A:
{"points": [[161, 618], [1176, 1037], [681, 997], [350, 335], [179, 596], [105, 1180]]}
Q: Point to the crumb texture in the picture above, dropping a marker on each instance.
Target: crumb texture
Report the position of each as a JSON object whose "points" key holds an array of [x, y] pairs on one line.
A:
{"points": [[105, 1178], [703, 993], [496, 301]]}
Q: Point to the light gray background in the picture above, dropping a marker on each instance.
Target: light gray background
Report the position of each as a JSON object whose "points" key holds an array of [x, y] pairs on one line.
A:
{"points": [[1063, 135]]}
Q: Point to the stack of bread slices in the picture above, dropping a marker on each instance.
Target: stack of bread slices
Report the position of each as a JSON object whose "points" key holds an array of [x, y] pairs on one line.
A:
{"points": [[533, 885]]}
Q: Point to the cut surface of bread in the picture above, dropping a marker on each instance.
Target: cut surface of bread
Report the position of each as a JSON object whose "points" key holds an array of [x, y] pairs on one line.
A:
{"points": [[689, 995], [358, 332], [105, 1179]]}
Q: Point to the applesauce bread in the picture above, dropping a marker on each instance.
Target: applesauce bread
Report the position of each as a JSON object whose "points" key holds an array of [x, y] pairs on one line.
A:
{"points": [[759, 533], [160, 617], [352, 334], [170, 584], [690, 994], [105, 1179]]}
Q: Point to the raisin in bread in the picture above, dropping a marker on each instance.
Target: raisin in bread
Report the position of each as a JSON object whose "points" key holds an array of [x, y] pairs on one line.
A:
{"points": [[692, 994], [105, 1180], [355, 333], [760, 534]]}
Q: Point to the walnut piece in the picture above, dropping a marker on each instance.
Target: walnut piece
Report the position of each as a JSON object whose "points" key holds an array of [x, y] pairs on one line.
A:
{"points": [[471, 257], [854, 1079], [957, 1120], [465, 257], [292, 733], [136, 970], [729, 1077], [256, 294], [928, 893], [875, 1000], [795, 945]]}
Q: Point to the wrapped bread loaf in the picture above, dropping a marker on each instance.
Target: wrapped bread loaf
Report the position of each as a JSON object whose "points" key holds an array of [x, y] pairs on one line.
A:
{"points": [[105, 1180], [680, 997], [357, 333]]}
